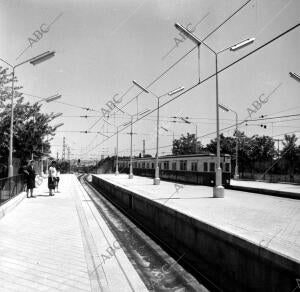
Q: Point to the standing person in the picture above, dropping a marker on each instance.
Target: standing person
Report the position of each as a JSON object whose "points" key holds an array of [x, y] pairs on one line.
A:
{"points": [[57, 178], [52, 179], [22, 172], [30, 178]]}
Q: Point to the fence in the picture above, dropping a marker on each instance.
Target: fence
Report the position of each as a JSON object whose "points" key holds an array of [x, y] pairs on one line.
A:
{"points": [[10, 187], [271, 177]]}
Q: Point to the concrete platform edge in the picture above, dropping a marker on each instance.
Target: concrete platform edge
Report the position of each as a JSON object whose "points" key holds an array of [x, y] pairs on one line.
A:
{"points": [[11, 204], [275, 193], [262, 262]]}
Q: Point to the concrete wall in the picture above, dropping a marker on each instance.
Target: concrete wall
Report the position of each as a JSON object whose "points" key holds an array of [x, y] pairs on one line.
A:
{"points": [[227, 260]]}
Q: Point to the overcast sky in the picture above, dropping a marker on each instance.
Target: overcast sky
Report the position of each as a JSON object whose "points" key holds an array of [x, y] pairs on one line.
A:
{"points": [[101, 46]]}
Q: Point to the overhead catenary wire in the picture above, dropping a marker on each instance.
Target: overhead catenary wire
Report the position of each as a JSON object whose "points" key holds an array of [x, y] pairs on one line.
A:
{"points": [[181, 58], [208, 78], [61, 102]]}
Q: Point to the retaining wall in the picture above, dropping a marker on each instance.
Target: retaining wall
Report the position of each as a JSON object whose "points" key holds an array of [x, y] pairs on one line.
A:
{"points": [[232, 263]]}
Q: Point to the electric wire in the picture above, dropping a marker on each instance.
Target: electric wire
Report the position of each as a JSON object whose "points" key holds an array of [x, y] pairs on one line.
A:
{"points": [[209, 77], [181, 58]]}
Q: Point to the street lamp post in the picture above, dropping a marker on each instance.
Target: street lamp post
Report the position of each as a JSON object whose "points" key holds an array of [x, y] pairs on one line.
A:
{"points": [[117, 154], [131, 133], [117, 150], [47, 100], [130, 166], [34, 61], [218, 189], [156, 180], [236, 170]]}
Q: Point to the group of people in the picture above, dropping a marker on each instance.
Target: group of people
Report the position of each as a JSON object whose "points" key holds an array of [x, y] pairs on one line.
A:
{"points": [[30, 175], [53, 179]]}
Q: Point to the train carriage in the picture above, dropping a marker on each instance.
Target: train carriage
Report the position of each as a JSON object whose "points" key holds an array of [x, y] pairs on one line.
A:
{"points": [[193, 168]]}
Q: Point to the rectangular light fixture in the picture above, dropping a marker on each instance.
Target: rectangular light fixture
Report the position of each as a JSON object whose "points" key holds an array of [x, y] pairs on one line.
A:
{"points": [[52, 98], [140, 86], [176, 90], [58, 125], [187, 33], [295, 76], [144, 112], [56, 115], [223, 108], [186, 121], [126, 124], [242, 44], [41, 58]]}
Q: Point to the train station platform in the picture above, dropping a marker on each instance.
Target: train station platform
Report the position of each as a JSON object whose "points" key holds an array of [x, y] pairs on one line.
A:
{"points": [[259, 230], [61, 243], [268, 221], [273, 189]]}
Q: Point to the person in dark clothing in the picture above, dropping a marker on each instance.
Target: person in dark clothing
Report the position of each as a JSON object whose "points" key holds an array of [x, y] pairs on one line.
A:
{"points": [[22, 172], [30, 178]]}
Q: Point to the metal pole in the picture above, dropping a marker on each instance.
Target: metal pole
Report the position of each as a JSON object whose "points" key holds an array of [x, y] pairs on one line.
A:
{"points": [[117, 158], [236, 172], [42, 167], [156, 180], [10, 166], [196, 139], [219, 189], [130, 166], [199, 63]]}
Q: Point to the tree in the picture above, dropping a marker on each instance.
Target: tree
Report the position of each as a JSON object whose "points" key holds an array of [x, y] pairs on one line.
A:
{"points": [[185, 145], [227, 145], [30, 125], [262, 148], [63, 166], [290, 152]]}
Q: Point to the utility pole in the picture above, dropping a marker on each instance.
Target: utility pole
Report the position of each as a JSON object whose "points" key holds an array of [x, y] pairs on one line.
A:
{"points": [[69, 159], [278, 150], [64, 149], [144, 150]]}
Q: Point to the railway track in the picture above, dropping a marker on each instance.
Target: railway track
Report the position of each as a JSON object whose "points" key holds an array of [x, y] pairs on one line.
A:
{"points": [[158, 269]]}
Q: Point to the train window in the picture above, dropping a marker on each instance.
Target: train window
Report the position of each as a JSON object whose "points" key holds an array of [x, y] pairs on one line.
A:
{"points": [[143, 164], [194, 166], [173, 165], [205, 166], [166, 164], [159, 165], [211, 166], [152, 165], [147, 164], [182, 164], [227, 167]]}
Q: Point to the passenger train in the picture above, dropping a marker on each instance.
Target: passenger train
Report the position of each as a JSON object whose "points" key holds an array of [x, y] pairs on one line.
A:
{"points": [[194, 168]]}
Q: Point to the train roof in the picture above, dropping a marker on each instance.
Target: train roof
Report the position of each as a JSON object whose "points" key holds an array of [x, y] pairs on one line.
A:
{"points": [[178, 156]]}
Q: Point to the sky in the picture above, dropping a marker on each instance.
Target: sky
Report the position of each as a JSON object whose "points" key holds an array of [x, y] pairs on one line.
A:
{"points": [[101, 46]]}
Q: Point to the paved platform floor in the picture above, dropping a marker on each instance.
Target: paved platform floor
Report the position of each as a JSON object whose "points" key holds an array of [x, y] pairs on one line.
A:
{"points": [[62, 243], [292, 188], [271, 222]]}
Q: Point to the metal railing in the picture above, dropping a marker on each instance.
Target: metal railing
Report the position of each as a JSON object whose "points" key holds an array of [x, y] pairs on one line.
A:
{"points": [[11, 187]]}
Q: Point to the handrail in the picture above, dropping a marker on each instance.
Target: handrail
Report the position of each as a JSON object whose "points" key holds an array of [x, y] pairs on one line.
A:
{"points": [[11, 187]]}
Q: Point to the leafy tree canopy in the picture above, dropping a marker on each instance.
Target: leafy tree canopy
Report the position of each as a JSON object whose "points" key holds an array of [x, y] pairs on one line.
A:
{"points": [[30, 126], [186, 145]]}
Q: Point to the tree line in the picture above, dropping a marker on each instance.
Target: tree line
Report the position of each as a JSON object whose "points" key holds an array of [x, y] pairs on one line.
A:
{"points": [[31, 130], [255, 153]]}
